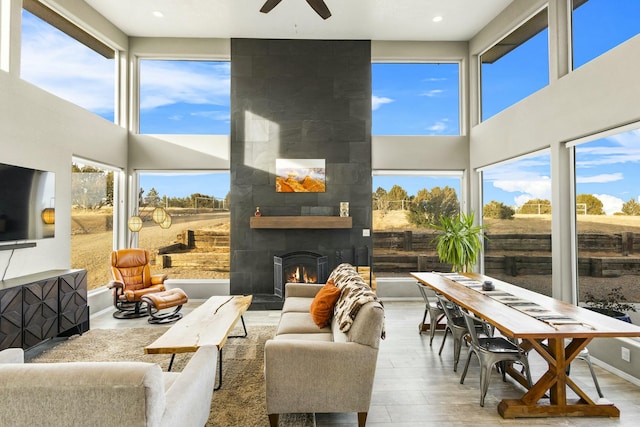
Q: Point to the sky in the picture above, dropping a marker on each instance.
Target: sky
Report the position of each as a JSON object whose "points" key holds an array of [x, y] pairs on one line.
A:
{"points": [[192, 97]]}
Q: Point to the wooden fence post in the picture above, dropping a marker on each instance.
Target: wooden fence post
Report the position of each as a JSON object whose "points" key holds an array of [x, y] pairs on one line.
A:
{"points": [[627, 243], [408, 240]]}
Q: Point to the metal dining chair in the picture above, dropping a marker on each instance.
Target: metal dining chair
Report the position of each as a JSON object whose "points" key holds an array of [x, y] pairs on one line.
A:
{"points": [[491, 351], [456, 325], [433, 310], [584, 355]]}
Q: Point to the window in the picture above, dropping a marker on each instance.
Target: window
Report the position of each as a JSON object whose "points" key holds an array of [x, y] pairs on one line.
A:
{"points": [[93, 191], [198, 204], [404, 204], [516, 67], [517, 215], [185, 97], [64, 66], [600, 25], [416, 99], [607, 176]]}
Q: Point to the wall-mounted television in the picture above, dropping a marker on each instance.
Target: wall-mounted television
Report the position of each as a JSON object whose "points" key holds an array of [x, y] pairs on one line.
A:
{"points": [[27, 203]]}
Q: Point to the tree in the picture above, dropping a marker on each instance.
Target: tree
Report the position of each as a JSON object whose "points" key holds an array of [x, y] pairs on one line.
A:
{"points": [[89, 187], [152, 198], [498, 210], [381, 200], [397, 197], [631, 207], [535, 206], [594, 205], [428, 206]]}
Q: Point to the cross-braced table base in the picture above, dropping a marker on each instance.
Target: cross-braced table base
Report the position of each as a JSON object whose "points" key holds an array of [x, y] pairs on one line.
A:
{"points": [[555, 381]]}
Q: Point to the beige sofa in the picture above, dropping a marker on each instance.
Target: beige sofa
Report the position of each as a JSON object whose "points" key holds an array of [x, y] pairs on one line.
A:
{"points": [[310, 369], [87, 394]]}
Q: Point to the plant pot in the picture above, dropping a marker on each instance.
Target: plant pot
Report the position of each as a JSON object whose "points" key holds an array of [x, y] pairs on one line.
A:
{"points": [[611, 313]]}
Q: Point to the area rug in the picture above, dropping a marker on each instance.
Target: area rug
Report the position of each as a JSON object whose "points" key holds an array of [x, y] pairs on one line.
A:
{"points": [[240, 402]]}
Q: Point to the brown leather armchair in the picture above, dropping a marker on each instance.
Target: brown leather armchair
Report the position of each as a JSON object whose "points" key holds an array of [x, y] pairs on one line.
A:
{"points": [[132, 279]]}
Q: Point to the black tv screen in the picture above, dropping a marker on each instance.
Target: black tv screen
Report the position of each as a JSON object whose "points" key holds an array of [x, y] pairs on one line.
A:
{"points": [[27, 203]]}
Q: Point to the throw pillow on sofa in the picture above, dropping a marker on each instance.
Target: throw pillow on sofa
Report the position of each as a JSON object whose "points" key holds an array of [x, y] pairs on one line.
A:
{"points": [[323, 303]]}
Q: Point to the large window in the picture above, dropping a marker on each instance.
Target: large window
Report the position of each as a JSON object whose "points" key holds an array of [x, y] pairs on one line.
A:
{"points": [[404, 206], [195, 244], [62, 65], [607, 191], [600, 25], [93, 191], [416, 99], [517, 215], [184, 97], [516, 67]]}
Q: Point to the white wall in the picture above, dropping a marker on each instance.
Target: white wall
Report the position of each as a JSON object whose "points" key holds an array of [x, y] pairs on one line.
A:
{"points": [[42, 131]]}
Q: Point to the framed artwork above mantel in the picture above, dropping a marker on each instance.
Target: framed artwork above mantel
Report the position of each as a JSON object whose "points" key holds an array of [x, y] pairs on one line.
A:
{"points": [[300, 176]]}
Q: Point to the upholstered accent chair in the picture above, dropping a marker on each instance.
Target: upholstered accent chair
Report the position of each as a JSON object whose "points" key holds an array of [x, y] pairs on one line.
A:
{"points": [[132, 279]]}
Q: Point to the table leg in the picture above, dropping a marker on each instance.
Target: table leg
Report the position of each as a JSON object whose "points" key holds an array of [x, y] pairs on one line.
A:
{"points": [[555, 381], [244, 327], [219, 370]]}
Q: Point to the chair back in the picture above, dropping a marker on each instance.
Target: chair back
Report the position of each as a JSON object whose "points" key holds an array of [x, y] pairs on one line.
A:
{"points": [[473, 323], [451, 310], [423, 292], [131, 267]]}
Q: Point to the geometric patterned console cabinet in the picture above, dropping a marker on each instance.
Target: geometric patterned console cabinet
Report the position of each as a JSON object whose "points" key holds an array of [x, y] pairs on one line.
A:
{"points": [[44, 305]]}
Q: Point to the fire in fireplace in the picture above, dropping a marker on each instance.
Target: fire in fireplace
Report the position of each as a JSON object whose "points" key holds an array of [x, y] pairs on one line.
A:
{"points": [[298, 267]]}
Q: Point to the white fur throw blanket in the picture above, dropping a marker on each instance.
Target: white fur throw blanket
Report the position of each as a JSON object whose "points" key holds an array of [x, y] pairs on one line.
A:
{"points": [[354, 293]]}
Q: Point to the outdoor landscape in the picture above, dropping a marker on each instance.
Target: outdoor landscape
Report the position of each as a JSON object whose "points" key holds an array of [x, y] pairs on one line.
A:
{"points": [[92, 239]]}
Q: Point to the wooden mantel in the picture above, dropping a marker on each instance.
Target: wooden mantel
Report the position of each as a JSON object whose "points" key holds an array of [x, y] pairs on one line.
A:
{"points": [[308, 222]]}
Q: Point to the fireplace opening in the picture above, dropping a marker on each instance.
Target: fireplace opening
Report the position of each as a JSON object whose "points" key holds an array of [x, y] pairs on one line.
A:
{"points": [[298, 267]]}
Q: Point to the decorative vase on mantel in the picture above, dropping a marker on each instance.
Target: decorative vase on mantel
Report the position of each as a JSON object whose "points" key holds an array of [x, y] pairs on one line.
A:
{"points": [[257, 212]]}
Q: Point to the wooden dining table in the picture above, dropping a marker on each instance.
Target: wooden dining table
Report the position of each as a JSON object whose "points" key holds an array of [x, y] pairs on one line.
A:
{"points": [[558, 338]]}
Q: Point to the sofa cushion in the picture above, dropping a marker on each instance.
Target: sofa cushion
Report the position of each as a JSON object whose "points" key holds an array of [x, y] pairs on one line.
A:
{"points": [[306, 337], [321, 308], [297, 304], [96, 388], [299, 323]]}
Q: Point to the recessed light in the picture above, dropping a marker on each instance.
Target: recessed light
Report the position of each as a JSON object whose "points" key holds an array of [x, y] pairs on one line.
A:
{"points": [[158, 14], [437, 18]]}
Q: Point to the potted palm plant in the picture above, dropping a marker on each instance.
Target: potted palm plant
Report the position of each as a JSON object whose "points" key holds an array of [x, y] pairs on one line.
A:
{"points": [[459, 242], [613, 304]]}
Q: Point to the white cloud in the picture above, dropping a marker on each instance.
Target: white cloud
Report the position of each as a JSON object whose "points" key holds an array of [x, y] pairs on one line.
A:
{"points": [[617, 149], [189, 82], [66, 68], [223, 116], [433, 92], [534, 188], [439, 126], [597, 179], [610, 204], [378, 101]]}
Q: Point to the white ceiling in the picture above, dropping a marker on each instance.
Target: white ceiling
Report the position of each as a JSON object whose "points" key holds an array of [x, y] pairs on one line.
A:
{"points": [[351, 19]]}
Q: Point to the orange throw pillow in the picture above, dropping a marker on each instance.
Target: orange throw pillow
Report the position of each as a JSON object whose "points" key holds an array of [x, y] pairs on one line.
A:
{"points": [[322, 305]]}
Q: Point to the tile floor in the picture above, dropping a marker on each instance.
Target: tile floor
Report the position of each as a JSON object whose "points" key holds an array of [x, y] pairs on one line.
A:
{"points": [[414, 386]]}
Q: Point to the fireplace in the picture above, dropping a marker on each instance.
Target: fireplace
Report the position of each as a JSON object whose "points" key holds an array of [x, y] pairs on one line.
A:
{"points": [[298, 267]]}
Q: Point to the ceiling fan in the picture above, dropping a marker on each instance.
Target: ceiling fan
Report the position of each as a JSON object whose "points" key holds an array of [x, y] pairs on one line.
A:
{"points": [[318, 5]]}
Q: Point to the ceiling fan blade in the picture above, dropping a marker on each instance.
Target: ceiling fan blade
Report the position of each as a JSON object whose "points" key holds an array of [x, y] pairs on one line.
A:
{"points": [[320, 7], [268, 5]]}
